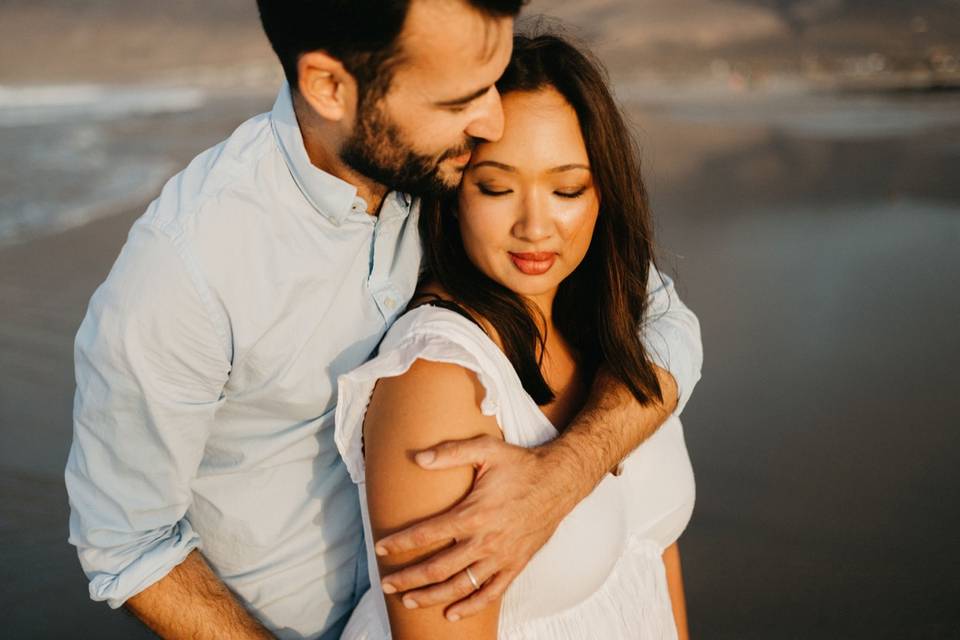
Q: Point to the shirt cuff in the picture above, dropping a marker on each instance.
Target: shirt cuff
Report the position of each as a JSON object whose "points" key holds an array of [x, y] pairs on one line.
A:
{"points": [[150, 566]]}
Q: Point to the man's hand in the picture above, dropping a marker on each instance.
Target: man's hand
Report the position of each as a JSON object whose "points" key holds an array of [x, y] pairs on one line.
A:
{"points": [[519, 498]]}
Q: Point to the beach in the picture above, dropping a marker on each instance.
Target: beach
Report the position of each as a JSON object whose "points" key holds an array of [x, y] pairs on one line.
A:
{"points": [[806, 203]]}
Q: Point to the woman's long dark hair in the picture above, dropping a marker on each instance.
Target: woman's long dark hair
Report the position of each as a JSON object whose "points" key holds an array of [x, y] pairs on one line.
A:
{"points": [[599, 308]]}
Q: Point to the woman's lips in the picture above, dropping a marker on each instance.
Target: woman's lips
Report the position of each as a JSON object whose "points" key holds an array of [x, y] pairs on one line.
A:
{"points": [[533, 264]]}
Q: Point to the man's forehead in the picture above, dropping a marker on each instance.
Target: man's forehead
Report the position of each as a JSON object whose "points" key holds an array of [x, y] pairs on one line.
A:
{"points": [[443, 34]]}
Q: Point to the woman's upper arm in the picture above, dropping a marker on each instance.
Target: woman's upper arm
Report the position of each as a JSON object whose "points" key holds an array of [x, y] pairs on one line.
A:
{"points": [[432, 402]]}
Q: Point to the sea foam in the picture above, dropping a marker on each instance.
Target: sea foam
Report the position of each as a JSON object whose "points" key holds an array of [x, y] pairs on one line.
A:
{"points": [[45, 104]]}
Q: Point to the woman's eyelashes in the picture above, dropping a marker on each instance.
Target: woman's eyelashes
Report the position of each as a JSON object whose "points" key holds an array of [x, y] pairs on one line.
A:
{"points": [[492, 191], [489, 190], [575, 193]]}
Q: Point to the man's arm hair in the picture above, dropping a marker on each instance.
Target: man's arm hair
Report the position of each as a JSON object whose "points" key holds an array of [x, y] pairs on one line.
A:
{"points": [[612, 425], [191, 602]]}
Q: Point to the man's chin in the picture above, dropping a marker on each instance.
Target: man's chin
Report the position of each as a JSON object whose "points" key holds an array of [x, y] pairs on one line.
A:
{"points": [[450, 174]]}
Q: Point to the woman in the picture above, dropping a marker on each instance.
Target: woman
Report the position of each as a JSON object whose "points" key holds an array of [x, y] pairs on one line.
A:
{"points": [[537, 278]]}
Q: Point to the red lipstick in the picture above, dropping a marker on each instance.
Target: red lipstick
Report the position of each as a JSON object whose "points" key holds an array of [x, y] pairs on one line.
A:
{"points": [[533, 264]]}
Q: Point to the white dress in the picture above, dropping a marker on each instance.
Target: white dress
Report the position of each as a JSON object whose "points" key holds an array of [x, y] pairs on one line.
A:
{"points": [[601, 575]]}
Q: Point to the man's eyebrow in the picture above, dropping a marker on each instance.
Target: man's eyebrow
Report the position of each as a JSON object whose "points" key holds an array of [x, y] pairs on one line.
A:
{"points": [[458, 102]]}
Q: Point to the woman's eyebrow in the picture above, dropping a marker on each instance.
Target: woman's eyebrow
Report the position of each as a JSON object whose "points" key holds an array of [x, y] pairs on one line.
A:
{"points": [[512, 169], [568, 167], [496, 165]]}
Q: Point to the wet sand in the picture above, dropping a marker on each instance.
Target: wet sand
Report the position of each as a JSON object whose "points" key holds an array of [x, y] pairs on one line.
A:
{"points": [[822, 255], [826, 275]]}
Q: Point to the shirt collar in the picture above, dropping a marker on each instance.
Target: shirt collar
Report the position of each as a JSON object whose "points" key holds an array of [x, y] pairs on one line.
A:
{"points": [[328, 194]]}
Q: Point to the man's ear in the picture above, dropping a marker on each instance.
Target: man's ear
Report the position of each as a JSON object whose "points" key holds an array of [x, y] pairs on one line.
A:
{"points": [[326, 85]]}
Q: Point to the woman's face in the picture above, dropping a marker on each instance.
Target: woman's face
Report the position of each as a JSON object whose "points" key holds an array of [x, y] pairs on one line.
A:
{"points": [[527, 203]]}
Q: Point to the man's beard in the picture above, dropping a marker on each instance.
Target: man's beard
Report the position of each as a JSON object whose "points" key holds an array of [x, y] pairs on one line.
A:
{"points": [[375, 150]]}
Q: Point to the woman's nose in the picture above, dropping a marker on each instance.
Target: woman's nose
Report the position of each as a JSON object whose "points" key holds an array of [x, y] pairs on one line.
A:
{"points": [[534, 222]]}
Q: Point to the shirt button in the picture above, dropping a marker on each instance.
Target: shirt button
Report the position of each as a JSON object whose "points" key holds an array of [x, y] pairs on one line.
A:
{"points": [[390, 303]]}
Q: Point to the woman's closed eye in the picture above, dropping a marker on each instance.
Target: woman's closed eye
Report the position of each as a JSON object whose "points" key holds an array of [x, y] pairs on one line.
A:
{"points": [[570, 193], [489, 190]]}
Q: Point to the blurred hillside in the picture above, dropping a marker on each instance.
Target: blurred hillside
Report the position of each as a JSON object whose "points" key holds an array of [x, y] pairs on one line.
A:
{"points": [[846, 43], [874, 43], [67, 41]]}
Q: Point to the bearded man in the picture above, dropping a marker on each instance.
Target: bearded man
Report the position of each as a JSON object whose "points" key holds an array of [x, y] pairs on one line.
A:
{"points": [[206, 492]]}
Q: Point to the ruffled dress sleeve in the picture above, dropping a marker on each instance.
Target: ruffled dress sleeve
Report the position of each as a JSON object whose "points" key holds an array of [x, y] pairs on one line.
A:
{"points": [[426, 333]]}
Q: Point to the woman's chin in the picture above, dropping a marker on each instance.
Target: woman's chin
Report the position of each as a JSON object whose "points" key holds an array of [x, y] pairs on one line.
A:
{"points": [[531, 286]]}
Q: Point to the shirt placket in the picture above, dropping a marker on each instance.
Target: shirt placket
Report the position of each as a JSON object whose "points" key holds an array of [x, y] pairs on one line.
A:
{"points": [[385, 293]]}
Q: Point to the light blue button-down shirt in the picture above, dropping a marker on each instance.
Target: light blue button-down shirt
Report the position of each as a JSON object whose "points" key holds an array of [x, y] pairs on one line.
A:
{"points": [[206, 378]]}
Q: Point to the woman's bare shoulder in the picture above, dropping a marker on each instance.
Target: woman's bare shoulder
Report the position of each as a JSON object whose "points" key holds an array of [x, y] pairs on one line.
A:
{"points": [[431, 402]]}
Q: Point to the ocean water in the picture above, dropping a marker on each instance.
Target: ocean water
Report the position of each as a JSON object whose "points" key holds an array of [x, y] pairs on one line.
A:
{"points": [[54, 104], [790, 105], [64, 158], [72, 153]]}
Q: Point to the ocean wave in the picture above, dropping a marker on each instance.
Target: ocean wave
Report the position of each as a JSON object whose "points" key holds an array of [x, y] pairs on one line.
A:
{"points": [[49, 104], [126, 186]]}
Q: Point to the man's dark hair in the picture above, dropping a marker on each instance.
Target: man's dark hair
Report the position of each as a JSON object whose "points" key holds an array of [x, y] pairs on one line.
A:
{"points": [[362, 34]]}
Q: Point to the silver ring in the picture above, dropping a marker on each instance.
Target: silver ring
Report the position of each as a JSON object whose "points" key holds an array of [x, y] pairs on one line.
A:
{"points": [[473, 581]]}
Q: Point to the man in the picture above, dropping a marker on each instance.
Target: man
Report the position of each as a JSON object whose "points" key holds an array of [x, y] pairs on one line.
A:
{"points": [[207, 363]]}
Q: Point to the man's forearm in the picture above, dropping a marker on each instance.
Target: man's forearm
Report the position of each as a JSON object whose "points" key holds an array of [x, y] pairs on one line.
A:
{"points": [[191, 602], [611, 426]]}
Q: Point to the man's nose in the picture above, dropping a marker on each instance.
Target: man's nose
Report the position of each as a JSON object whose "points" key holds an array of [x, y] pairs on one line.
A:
{"points": [[488, 123]]}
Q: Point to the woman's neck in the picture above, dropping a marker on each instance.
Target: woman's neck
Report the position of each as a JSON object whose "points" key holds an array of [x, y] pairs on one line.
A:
{"points": [[544, 303], [566, 378], [558, 363]]}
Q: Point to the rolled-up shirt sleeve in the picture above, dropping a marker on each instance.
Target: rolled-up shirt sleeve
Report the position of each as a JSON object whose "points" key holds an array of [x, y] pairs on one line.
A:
{"points": [[671, 335], [151, 364]]}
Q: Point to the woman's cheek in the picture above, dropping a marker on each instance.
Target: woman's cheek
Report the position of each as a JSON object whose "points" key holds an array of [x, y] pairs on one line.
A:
{"points": [[577, 226]]}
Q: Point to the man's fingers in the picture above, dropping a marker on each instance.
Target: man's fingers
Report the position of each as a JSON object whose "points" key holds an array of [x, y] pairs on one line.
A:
{"points": [[457, 587], [457, 453], [483, 598], [437, 529], [434, 570]]}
